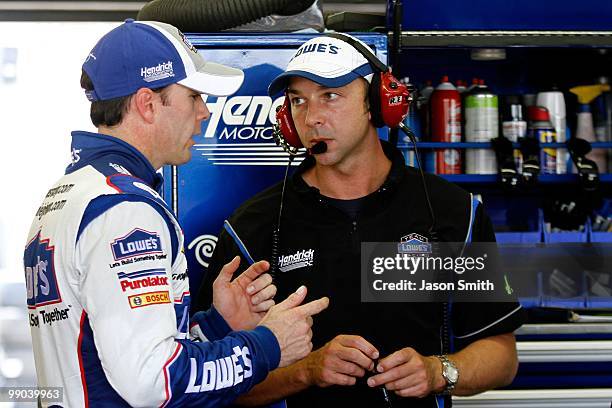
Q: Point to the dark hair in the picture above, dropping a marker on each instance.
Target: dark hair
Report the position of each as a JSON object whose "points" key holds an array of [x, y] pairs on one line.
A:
{"points": [[110, 112]]}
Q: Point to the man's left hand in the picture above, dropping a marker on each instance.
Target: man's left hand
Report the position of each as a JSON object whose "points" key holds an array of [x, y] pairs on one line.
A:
{"points": [[245, 300], [409, 374]]}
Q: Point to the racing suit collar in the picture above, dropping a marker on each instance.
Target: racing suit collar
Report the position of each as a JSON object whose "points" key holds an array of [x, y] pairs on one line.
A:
{"points": [[395, 176], [88, 148]]}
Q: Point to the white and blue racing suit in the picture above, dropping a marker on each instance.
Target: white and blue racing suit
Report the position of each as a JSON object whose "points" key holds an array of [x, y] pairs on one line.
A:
{"points": [[108, 294]]}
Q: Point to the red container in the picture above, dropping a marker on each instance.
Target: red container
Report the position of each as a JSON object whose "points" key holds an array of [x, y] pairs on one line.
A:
{"points": [[446, 126]]}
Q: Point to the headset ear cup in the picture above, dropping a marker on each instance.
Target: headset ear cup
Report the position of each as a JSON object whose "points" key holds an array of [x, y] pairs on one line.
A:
{"points": [[286, 126], [374, 98], [292, 137]]}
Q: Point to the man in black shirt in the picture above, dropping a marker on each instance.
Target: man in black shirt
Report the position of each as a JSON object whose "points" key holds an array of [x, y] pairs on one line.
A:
{"points": [[358, 190]]}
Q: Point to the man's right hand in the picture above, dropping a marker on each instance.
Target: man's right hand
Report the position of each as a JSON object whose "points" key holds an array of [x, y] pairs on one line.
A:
{"points": [[340, 362], [291, 324]]}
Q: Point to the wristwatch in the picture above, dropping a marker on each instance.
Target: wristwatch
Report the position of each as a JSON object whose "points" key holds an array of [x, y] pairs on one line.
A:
{"points": [[450, 373]]}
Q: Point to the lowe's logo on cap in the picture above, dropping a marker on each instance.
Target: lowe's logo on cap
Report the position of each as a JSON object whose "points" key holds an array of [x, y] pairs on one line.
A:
{"points": [[135, 243], [155, 73], [328, 61], [41, 282], [321, 47]]}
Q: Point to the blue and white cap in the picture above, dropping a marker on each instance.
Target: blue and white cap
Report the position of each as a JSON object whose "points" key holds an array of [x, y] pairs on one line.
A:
{"points": [[327, 61], [150, 54]]}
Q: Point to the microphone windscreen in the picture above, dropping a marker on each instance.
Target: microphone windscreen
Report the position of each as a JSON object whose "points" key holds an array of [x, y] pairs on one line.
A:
{"points": [[318, 148]]}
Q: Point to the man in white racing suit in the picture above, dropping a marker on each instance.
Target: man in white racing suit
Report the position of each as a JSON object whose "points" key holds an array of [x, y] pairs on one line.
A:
{"points": [[108, 292]]}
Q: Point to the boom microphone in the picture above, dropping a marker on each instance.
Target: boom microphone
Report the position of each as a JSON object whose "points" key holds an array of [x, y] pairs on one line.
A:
{"points": [[318, 148]]}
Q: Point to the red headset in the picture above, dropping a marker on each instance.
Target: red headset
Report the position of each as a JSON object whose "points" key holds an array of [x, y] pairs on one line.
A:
{"points": [[389, 100]]}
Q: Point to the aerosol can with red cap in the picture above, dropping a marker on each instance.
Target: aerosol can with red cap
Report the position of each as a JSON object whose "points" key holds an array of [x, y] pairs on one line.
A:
{"points": [[542, 129], [446, 126]]}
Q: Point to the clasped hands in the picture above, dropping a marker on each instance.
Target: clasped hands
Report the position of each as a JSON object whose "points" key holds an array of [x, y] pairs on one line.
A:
{"points": [[348, 357]]}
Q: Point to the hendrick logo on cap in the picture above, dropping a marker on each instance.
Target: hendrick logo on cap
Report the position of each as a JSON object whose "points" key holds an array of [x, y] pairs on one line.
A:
{"points": [[157, 72]]}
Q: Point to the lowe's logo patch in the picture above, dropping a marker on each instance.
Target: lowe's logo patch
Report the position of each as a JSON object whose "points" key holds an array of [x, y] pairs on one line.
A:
{"points": [[414, 244], [316, 47], [41, 282], [137, 242]]}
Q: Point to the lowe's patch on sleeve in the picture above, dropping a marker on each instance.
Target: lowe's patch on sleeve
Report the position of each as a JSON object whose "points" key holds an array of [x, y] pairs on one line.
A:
{"points": [[135, 243]]}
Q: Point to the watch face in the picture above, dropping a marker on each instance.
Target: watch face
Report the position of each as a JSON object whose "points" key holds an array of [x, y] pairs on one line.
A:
{"points": [[452, 373]]}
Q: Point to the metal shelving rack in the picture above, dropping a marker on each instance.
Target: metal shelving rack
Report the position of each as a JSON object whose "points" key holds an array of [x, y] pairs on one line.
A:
{"points": [[530, 352], [492, 178]]}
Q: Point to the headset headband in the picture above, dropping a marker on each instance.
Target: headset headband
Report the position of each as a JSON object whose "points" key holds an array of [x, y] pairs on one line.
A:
{"points": [[367, 53]]}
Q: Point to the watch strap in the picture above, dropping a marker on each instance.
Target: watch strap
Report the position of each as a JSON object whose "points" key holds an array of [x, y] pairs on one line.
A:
{"points": [[446, 363]]}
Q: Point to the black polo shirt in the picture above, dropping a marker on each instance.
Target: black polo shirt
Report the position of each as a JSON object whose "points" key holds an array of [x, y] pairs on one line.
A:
{"points": [[327, 242]]}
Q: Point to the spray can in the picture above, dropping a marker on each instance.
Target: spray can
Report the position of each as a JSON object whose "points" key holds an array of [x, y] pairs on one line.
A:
{"points": [[461, 86], [555, 103], [427, 90], [481, 125], [474, 84], [514, 125], [446, 126], [541, 128], [412, 120]]}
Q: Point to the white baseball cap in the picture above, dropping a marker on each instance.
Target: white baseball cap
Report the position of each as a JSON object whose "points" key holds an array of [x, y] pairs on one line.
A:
{"points": [[327, 61]]}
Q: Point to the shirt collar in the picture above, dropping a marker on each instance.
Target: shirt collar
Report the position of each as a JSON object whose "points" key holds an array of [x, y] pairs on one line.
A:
{"points": [[91, 148]]}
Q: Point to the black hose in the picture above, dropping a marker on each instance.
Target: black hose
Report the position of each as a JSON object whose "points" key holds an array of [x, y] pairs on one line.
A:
{"points": [[217, 15], [295, 7]]}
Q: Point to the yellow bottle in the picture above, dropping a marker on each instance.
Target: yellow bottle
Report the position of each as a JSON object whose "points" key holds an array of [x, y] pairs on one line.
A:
{"points": [[584, 127]]}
